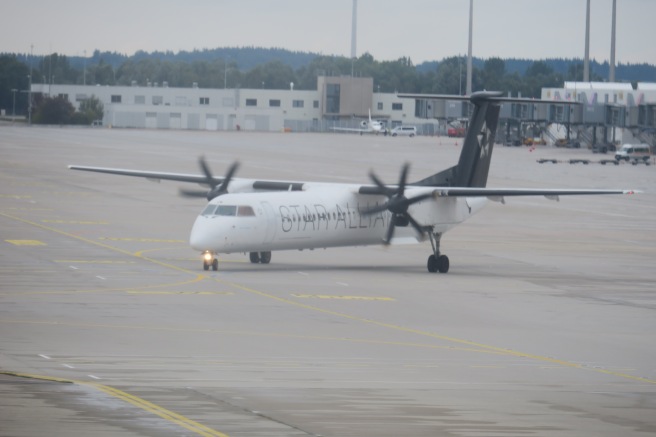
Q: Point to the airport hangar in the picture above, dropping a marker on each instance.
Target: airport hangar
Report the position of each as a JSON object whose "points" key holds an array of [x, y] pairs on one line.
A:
{"points": [[608, 112]]}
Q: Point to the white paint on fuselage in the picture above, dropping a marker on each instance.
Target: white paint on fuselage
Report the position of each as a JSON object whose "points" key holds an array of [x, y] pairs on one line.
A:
{"points": [[317, 218]]}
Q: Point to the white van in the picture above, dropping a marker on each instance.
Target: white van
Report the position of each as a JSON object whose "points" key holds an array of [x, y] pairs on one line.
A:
{"points": [[404, 130], [635, 152]]}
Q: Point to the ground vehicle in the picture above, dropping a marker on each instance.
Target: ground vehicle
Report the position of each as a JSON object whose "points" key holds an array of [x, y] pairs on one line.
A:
{"points": [[404, 130], [456, 132], [634, 152], [569, 144], [603, 147]]}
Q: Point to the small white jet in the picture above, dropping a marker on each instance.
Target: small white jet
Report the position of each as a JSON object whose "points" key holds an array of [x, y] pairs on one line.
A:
{"points": [[262, 216], [366, 127]]}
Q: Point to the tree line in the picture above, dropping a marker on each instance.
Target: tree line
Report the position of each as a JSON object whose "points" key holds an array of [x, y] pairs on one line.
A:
{"points": [[276, 71]]}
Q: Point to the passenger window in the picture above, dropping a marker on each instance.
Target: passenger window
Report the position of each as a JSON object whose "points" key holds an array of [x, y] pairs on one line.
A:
{"points": [[209, 210], [245, 211], [227, 210]]}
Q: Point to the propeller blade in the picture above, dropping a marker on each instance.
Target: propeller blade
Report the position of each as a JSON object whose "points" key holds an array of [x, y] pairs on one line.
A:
{"points": [[231, 171], [402, 180], [207, 172], [383, 189], [390, 232], [415, 225]]}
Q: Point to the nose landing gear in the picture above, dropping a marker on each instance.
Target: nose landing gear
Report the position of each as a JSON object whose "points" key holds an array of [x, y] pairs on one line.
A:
{"points": [[210, 260]]}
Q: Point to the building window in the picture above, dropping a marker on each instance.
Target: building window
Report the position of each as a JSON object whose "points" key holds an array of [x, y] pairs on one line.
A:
{"points": [[158, 100], [139, 100], [333, 91], [274, 103], [251, 102], [380, 106], [297, 103], [315, 104], [80, 97], [116, 99], [204, 100], [397, 106]]}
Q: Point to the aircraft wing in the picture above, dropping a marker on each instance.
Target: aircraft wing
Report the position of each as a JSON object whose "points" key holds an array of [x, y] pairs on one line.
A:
{"points": [[500, 193], [493, 193], [150, 175], [264, 185], [351, 129]]}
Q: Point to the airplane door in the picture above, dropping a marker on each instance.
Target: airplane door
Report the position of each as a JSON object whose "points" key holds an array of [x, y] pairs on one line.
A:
{"points": [[270, 215]]}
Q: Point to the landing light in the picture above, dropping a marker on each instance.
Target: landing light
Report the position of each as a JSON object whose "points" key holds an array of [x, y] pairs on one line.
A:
{"points": [[207, 256]]}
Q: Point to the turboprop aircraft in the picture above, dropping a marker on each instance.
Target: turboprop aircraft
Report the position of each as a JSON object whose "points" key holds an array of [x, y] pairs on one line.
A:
{"points": [[262, 216], [367, 127]]}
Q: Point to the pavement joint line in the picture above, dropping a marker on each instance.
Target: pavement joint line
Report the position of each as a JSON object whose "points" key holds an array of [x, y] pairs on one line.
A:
{"points": [[348, 316], [145, 405], [474, 344]]}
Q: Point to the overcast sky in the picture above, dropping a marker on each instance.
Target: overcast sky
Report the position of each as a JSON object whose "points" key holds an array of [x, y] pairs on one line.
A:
{"points": [[421, 29]]}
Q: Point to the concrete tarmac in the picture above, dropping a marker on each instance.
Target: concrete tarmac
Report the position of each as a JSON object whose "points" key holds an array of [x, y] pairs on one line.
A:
{"points": [[544, 326]]}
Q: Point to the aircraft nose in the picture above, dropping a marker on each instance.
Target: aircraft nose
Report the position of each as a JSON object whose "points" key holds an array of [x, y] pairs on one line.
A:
{"points": [[200, 237]]}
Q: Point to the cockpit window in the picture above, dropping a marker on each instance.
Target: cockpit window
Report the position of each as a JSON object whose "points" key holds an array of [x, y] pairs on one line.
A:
{"points": [[227, 210], [245, 211], [209, 210]]}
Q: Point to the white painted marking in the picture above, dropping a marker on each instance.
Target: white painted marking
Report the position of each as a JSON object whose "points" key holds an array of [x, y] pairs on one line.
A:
{"points": [[74, 268], [68, 365], [45, 356], [92, 376], [343, 284], [303, 273], [100, 277]]}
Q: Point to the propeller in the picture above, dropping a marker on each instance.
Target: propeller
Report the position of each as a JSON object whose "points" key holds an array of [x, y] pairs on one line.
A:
{"points": [[215, 188], [397, 203]]}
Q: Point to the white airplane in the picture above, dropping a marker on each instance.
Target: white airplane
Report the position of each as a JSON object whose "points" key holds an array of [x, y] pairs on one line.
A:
{"points": [[262, 216], [366, 127]]}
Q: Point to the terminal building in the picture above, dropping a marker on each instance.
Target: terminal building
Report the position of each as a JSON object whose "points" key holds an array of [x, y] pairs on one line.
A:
{"points": [[604, 112], [337, 102]]}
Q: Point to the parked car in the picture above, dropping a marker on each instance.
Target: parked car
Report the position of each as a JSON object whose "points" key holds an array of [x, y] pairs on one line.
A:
{"points": [[410, 131]]}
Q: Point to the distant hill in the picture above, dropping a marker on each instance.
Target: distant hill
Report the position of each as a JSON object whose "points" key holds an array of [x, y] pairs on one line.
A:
{"points": [[623, 72], [248, 58]]}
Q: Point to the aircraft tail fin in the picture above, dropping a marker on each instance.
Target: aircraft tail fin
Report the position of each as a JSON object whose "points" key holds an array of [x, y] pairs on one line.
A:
{"points": [[474, 162]]}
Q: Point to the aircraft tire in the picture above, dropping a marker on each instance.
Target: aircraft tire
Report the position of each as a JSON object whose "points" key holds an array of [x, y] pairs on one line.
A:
{"points": [[255, 257], [206, 266], [265, 257], [432, 264], [215, 264], [443, 264]]}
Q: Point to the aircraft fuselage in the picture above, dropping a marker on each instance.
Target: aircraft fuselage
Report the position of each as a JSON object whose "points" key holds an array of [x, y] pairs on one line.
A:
{"points": [[266, 221]]}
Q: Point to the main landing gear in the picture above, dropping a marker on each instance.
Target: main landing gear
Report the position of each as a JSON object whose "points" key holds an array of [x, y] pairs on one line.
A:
{"points": [[210, 260], [260, 257], [437, 262]]}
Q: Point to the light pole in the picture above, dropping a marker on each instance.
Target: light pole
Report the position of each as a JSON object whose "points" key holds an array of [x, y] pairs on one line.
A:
{"points": [[13, 111], [29, 101]]}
